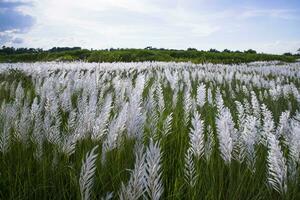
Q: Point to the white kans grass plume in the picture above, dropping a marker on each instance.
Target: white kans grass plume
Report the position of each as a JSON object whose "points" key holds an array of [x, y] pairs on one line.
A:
{"points": [[196, 136], [190, 175], [108, 196], [134, 189], [225, 132], [160, 98], [249, 139], [115, 130], [100, 126], [175, 98], [135, 117], [292, 141], [209, 96], [116, 127], [153, 175], [72, 120], [241, 115], [88, 169], [238, 152], [187, 106], [5, 138], [268, 125], [152, 122], [167, 125], [277, 169], [201, 94], [255, 105], [284, 126], [68, 144], [22, 125]]}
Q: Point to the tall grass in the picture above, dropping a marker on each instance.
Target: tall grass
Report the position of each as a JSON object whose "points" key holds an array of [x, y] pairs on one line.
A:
{"points": [[149, 131]]}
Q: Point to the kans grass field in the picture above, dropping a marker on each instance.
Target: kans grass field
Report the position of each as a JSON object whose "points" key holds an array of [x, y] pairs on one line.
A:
{"points": [[149, 130]]}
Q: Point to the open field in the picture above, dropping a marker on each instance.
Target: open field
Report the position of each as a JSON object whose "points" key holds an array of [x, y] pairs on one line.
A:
{"points": [[150, 130]]}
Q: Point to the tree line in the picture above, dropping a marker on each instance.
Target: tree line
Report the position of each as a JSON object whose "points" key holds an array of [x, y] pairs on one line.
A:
{"points": [[11, 54]]}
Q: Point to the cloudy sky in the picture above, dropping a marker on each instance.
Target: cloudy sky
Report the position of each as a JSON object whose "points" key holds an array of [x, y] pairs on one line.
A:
{"points": [[268, 26]]}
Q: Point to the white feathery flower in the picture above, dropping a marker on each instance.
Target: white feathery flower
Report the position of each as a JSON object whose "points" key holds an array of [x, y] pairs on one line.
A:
{"points": [[19, 94], [277, 169], [283, 127], [152, 122], [209, 96], [248, 137], [219, 100], [135, 118], [241, 114], [99, 129], [293, 141], [23, 125], [87, 173], [68, 144], [116, 127], [189, 168], [160, 98], [150, 101], [255, 105], [268, 125], [201, 94], [35, 107], [108, 196], [225, 130], [72, 120], [5, 138], [135, 187], [196, 136], [167, 125], [153, 183], [53, 134], [65, 99], [187, 107]]}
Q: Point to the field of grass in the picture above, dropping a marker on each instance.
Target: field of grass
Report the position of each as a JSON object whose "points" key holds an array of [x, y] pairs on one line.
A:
{"points": [[149, 130]]}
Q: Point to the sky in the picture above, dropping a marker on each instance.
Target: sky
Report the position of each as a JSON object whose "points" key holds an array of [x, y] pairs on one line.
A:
{"points": [[271, 26]]}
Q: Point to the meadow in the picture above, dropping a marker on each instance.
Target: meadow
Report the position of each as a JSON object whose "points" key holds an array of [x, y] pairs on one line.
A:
{"points": [[149, 130]]}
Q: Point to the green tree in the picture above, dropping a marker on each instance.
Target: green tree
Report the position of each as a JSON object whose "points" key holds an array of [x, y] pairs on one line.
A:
{"points": [[250, 51]]}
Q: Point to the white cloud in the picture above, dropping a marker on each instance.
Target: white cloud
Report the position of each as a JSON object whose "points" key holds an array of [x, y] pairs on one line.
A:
{"points": [[105, 23], [288, 14], [10, 37], [281, 46], [140, 23]]}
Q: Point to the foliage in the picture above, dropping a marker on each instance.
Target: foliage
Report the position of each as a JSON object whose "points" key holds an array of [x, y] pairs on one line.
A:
{"points": [[9, 54]]}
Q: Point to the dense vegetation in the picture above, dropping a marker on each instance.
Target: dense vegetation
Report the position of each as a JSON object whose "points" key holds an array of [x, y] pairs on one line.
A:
{"points": [[8, 54], [149, 130]]}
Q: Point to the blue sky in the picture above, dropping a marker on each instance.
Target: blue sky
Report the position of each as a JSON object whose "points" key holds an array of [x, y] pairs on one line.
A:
{"points": [[268, 26]]}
